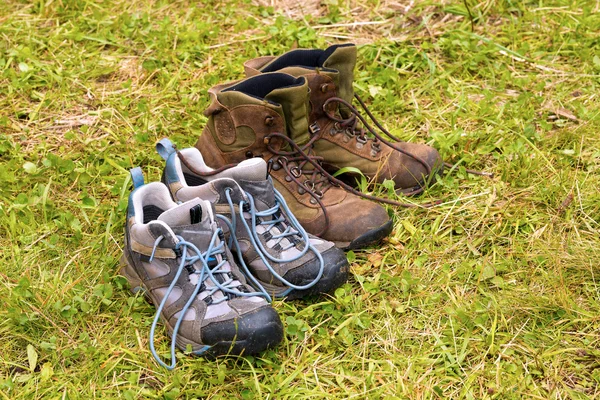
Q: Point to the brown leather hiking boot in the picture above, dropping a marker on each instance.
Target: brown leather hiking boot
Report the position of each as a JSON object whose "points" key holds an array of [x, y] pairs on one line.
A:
{"points": [[267, 116], [343, 142]]}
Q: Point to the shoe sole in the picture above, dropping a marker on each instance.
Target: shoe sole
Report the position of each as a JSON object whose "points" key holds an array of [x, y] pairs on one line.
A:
{"points": [[366, 239], [225, 347]]}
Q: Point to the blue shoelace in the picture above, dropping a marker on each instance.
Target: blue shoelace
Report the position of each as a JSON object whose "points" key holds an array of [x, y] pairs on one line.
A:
{"points": [[293, 229], [187, 259]]}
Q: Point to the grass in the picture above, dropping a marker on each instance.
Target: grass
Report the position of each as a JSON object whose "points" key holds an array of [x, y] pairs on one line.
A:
{"points": [[492, 294]]}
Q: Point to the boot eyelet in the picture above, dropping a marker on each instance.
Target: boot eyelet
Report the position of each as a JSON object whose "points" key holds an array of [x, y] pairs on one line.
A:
{"points": [[313, 201], [324, 87], [282, 160], [309, 185], [337, 127], [249, 154], [318, 193], [333, 131], [295, 171], [314, 128], [276, 167], [269, 121], [301, 190], [349, 132], [288, 178], [361, 140]]}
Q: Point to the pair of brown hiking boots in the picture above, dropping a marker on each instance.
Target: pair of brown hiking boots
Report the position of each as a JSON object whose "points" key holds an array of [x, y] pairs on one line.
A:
{"points": [[295, 111]]}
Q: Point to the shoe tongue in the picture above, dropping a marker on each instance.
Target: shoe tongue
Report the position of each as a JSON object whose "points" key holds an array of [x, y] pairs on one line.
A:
{"points": [[192, 212], [343, 59], [294, 101], [253, 169], [262, 192]]}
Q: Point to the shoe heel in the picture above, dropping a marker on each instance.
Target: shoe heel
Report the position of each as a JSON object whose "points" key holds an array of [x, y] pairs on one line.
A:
{"points": [[129, 273]]}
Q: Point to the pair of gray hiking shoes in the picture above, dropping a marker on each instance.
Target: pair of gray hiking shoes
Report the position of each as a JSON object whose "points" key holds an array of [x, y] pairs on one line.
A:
{"points": [[179, 239]]}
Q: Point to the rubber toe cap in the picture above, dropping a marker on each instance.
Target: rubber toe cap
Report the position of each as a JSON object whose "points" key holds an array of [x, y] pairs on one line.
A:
{"points": [[335, 273], [250, 333]]}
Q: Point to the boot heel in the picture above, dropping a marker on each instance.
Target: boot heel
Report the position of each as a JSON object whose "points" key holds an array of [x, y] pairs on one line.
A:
{"points": [[129, 273]]}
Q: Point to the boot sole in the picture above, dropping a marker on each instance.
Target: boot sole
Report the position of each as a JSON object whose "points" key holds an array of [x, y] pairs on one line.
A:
{"points": [[371, 237], [225, 347]]}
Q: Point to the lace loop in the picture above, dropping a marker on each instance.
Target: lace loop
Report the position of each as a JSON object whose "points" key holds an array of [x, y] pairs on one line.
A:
{"points": [[294, 163], [361, 139], [352, 120]]}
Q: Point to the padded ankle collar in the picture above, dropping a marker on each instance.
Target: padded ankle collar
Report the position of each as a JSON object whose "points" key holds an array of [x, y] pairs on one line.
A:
{"points": [[261, 85], [305, 58]]}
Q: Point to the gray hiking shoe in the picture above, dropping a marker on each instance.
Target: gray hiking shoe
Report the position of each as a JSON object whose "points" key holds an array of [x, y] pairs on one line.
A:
{"points": [[279, 253], [177, 255]]}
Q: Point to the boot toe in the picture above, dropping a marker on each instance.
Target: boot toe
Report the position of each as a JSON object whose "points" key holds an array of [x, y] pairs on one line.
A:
{"points": [[371, 237], [411, 173], [335, 273], [250, 333], [357, 223]]}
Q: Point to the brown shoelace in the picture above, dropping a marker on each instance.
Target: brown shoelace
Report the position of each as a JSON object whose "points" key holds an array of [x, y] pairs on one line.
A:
{"points": [[352, 124], [315, 161], [317, 181]]}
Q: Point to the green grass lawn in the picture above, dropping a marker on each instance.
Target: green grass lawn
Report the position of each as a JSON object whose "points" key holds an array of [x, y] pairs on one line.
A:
{"points": [[492, 294]]}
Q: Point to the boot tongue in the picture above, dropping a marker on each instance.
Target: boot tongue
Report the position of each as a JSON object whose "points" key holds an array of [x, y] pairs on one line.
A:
{"points": [[343, 59], [337, 61], [294, 101], [193, 212]]}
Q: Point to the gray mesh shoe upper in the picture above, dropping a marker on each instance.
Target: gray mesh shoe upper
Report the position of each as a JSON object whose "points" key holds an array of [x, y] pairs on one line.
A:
{"points": [[175, 252]]}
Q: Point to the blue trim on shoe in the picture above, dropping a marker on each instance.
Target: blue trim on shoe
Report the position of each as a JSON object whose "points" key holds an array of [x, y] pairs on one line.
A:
{"points": [[137, 177], [170, 169], [165, 148], [202, 350]]}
